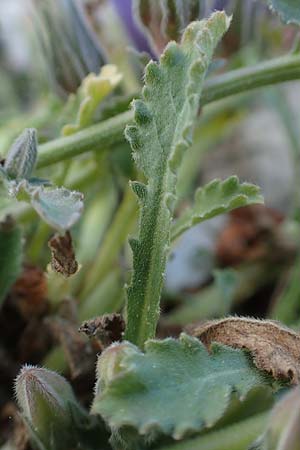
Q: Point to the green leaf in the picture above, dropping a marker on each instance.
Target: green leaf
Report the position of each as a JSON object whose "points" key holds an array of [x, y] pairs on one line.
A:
{"points": [[176, 387], [21, 158], [94, 89], [60, 208], [10, 256], [289, 10], [162, 132], [215, 198]]}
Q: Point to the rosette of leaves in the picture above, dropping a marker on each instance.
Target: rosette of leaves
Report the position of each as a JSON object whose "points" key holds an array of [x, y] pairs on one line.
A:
{"points": [[58, 207], [174, 387]]}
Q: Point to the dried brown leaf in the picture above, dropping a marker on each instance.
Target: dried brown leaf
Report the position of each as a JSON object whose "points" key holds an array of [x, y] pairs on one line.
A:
{"points": [[274, 347], [63, 258], [107, 329]]}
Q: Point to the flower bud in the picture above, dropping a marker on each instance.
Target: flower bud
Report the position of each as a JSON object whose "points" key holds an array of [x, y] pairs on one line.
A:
{"points": [[283, 430], [21, 158], [110, 365], [47, 403], [68, 42]]}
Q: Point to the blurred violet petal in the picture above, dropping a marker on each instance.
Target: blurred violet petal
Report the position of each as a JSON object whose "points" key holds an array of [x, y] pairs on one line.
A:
{"points": [[124, 9], [226, 5], [220, 4]]}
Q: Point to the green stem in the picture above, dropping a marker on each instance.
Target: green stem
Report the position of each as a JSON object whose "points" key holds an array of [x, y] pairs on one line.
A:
{"points": [[94, 138], [234, 437], [109, 132], [267, 73]]}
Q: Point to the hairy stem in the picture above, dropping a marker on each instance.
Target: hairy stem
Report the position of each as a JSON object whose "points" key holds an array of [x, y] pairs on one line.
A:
{"points": [[109, 132], [275, 71], [94, 138]]}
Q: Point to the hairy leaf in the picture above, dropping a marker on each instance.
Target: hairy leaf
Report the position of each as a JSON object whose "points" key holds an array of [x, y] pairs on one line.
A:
{"points": [[215, 198], [175, 387], [22, 155], [289, 10], [94, 89], [60, 208], [10, 255], [162, 132]]}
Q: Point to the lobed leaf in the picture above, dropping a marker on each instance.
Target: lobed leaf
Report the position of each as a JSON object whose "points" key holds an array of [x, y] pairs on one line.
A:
{"points": [[10, 256], [289, 10], [94, 89], [162, 132], [176, 387], [215, 198], [60, 208]]}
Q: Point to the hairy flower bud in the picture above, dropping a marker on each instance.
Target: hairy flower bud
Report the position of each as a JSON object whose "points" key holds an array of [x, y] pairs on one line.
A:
{"points": [[48, 404], [283, 430], [110, 365], [21, 158], [68, 42]]}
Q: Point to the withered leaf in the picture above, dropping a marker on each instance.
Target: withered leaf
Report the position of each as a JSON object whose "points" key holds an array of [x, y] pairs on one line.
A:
{"points": [[63, 258], [274, 347], [107, 329]]}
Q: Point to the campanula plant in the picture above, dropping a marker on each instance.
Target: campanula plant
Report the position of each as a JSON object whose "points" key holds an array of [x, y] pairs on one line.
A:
{"points": [[90, 219]]}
